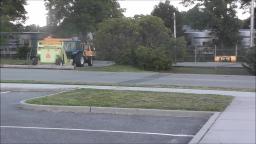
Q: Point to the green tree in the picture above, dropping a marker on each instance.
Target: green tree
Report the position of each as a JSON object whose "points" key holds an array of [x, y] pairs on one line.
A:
{"points": [[78, 17], [165, 12], [153, 32], [116, 40], [250, 57], [196, 18], [32, 28], [142, 41], [245, 3], [11, 11], [247, 22], [152, 58], [220, 17], [177, 48], [154, 50], [250, 60], [22, 52]]}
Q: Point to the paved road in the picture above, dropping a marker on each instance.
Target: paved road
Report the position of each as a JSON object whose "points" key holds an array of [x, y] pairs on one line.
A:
{"points": [[147, 78], [23, 126]]}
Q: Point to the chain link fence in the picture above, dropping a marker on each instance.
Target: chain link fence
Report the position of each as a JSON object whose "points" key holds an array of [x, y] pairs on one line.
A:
{"points": [[207, 54]]}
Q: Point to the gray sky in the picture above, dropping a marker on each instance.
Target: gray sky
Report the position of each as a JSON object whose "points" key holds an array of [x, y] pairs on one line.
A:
{"points": [[37, 12]]}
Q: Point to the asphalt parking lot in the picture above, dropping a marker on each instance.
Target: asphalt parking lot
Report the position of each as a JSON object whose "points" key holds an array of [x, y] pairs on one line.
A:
{"points": [[27, 126]]}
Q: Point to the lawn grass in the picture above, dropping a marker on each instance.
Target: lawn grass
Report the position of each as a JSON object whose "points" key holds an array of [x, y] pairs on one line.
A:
{"points": [[133, 99], [12, 61], [112, 68]]}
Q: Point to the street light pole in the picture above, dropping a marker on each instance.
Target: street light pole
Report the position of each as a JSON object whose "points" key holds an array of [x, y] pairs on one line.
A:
{"points": [[252, 24]]}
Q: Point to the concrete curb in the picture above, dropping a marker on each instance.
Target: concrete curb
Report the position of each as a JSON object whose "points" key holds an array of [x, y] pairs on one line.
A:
{"points": [[201, 133], [209, 64], [100, 63], [111, 110], [65, 67]]}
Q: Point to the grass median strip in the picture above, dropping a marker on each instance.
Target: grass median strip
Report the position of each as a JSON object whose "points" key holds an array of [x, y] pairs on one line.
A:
{"points": [[132, 99]]}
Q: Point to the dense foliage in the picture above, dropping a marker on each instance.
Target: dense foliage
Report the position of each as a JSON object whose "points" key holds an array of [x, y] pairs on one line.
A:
{"points": [[250, 60], [218, 16], [11, 12], [152, 59], [165, 12], [78, 17], [22, 52], [116, 40], [143, 41]]}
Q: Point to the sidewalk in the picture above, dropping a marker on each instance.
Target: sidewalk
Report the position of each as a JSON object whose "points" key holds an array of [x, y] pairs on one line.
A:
{"points": [[235, 125]]}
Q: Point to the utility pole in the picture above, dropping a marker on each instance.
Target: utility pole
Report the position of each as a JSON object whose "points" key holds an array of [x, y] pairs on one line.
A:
{"points": [[174, 34], [252, 24], [215, 51], [195, 54], [174, 25], [236, 50]]}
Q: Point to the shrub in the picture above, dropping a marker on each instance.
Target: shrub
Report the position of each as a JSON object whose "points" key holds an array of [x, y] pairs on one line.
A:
{"points": [[115, 39], [152, 58], [142, 41], [250, 60], [22, 52]]}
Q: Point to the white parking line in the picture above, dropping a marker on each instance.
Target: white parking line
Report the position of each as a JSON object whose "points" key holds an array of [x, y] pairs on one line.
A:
{"points": [[3, 92], [104, 131]]}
